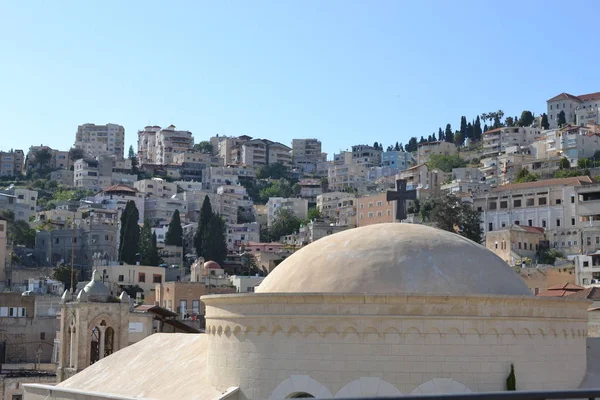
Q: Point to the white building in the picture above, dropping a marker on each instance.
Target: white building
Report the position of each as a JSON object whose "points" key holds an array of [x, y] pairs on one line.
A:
{"points": [[100, 173], [467, 180], [570, 105], [344, 176], [100, 140], [117, 196], [396, 159], [366, 155], [261, 152], [572, 142], [159, 210], [425, 150], [244, 284], [509, 139], [240, 235], [298, 206], [338, 207], [158, 146], [156, 187], [306, 153]]}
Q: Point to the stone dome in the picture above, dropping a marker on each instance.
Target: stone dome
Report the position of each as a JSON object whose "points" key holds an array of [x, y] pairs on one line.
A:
{"points": [[394, 258], [96, 290]]}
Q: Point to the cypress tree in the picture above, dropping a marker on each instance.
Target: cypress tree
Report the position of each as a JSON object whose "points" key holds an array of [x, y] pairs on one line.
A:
{"points": [[174, 235], [448, 134], [441, 137], [463, 126], [545, 123], [477, 132], [205, 216], [214, 242], [145, 242], [130, 234], [153, 257]]}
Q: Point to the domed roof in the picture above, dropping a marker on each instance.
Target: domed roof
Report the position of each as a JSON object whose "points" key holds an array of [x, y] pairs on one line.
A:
{"points": [[96, 290], [211, 265], [394, 258]]}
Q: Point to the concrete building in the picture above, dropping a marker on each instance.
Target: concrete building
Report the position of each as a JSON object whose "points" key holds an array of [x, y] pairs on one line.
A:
{"points": [[240, 235], [516, 243], [117, 196], [171, 255], [347, 176], [306, 153], [467, 180], [298, 206], [570, 104], [4, 261], [245, 284], [343, 157], [424, 294], [12, 163], [192, 164], [425, 150], [366, 155], [100, 140], [223, 204], [572, 142], [101, 173], [159, 210], [310, 188], [224, 146], [159, 146], [181, 297], [63, 177], [58, 159], [116, 277], [396, 159], [338, 208], [156, 187], [509, 140], [424, 180], [260, 153], [21, 201], [374, 209]]}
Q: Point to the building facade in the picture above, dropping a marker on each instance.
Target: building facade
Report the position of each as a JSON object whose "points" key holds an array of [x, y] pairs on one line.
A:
{"points": [[298, 206], [338, 208], [12, 163], [240, 235], [569, 104], [515, 244], [159, 146], [425, 150], [374, 209], [306, 153], [100, 140]]}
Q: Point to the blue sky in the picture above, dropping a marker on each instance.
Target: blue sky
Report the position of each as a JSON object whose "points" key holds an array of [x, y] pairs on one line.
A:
{"points": [[347, 72]]}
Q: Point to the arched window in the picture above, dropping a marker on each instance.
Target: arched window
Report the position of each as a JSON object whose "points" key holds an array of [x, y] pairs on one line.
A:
{"points": [[109, 336], [95, 345]]}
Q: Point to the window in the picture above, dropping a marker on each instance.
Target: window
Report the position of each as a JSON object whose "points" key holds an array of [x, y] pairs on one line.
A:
{"points": [[503, 224], [589, 241], [543, 223], [530, 202], [362, 206], [586, 281], [572, 198], [530, 246], [362, 216], [558, 201], [586, 264], [558, 222], [519, 245], [370, 204], [490, 226], [142, 277], [371, 215], [572, 221], [156, 278], [121, 278], [496, 245], [379, 213], [516, 203], [17, 397], [530, 222], [389, 212], [517, 222], [196, 306], [504, 204], [379, 203], [492, 205], [42, 335]]}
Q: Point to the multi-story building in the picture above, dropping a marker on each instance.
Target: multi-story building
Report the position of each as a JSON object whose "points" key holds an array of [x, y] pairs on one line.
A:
{"points": [[156, 187], [55, 159], [192, 164], [338, 208], [374, 209], [100, 173], [343, 157], [368, 156], [587, 116], [396, 159], [181, 297], [261, 152], [298, 206], [425, 150], [570, 104], [516, 243], [572, 142], [117, 196], [100, 140], [240, 235], [159, 210], [509, 140], [225, 144], [237, 197], [467, 180], [214, 177], [224, 205], [3, 252], [12, 163], [63, 177], [310, 188], [306, 153], [21, 201], [422, 179], [347, 176], [158, 146]]}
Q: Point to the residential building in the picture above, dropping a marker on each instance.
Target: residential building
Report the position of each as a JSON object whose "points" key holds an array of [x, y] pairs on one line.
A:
{"points": [[338, 208], [517, 243], [63, 177], [237, 198], [4, 261], [347, 176], [156, 187], [181, 297], [509, 140], [58, 159], [192, 164], [298, 206], [261, 152], [100, 140], [224, 147], [425, 181], [159, 146], [310, 188], [214, 177], [572, 142], [313, 231], [343, 157], [100, 173], [245, 284], [306, 153], [189, 185], [159, 210], [223, 204], [425, 150], [171, 255], [240, 235], [374, 209], [589, 115], [368, 156], [396, 159], [117, 196], [12, 163], [570, 104], [22, 201], [378, 172], [467, 180], [117, 276]]}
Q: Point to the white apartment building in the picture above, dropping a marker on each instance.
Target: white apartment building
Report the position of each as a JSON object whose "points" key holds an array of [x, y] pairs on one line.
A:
{"points": [[509, 140], [240, 235], [261, 152], [570, 105], [224, 147], [338, 207], [117, 196], [214, 177], [223, 204], [310, 188], [587, 116], [12, 163], [423, 180], [156, 187], [298, 206], [366, 155], [189, 185], [306, 153], [192, 164], [572, 142], [58, 159], [158, 146], [396, 159], [467, 180], [96, 174], [425, 150], [100, 140], [159, 210], [343, 157], [346, 176]]}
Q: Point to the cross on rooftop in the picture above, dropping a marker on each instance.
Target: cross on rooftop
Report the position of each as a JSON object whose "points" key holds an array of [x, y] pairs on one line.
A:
{"points": [[400, 196]]}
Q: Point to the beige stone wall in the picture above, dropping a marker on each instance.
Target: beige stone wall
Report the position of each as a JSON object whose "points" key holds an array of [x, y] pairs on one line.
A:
{"points": [[13, 386], [543, 278], [406, 344]]}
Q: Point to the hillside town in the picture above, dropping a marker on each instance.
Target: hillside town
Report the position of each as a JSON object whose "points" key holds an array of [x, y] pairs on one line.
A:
{"points": [[149, 230]]}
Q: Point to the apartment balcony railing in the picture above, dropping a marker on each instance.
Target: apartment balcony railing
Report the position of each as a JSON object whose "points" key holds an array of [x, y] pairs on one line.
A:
{"points": [[512, 395]]}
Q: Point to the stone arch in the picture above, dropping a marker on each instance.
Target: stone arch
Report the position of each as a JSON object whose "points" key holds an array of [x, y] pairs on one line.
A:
{"points": [[441, 386], [99, 319], [296, 384], [368, 386]]}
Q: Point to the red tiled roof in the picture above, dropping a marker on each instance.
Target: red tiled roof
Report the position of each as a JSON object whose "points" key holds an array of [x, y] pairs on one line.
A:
{"points": [[494, 130], [564, 96], [590, 96], [575, 181], [566, 286], [555, 293], [532, 229], [120, 188]]}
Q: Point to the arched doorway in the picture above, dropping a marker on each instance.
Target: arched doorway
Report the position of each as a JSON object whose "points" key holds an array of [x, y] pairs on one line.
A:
{"points": [[95, 345], [109, 337]]}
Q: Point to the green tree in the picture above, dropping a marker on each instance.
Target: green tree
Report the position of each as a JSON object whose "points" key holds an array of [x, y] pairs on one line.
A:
{"points": [[525, 176], [76, 153], [314, 214], [296, 189], [280, 188], [564, 163], [273, 171], [545, 123], [412, 145], [205, 216], [18, 232], [134, 161], [42, 158], [477, 132], [204, 147], [324, 184], [63, 273], [145, 242], [561, 119], [285, 223], [526, 118], [441, 136], [584, 163], [153, 257], [451, 214], [448, 134], [446, 162], [509, 121], [511, 380], [214, 239], [459, 139], [129, 243], [174, 235]]}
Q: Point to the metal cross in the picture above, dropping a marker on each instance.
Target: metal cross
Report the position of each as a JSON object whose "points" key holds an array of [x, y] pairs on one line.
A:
{"points": [[400, 196]]}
